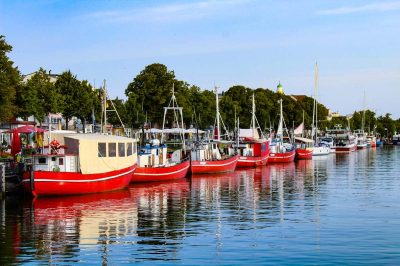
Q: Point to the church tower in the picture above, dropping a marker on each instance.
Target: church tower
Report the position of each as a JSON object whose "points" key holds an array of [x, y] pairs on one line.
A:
{"points": [[279, 88]]}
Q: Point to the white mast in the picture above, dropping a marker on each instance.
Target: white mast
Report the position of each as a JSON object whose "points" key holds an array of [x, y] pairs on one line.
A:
{"points": [[253, 118], [104, 126], [279, 133], [363, 116], [173, 105], [314, 129], [217, 107]]}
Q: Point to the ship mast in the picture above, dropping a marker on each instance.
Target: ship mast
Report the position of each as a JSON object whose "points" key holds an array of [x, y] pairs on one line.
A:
{"points": [[217, 107]]}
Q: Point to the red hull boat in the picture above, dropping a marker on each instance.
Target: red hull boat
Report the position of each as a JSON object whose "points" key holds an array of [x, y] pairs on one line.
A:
{"points": [[283, 157], [345, 149], [304, 154], [92, 167], [163, 173], [58, 183], [216, 166], [252, 161]]}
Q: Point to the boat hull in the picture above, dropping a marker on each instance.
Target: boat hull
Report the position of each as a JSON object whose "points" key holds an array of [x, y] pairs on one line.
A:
{"points": [[303, 154], [71, 183], [252, 161], [154, 174], [282, 157], [362, 147], [217, 166], [345, 149], [321, 151]]}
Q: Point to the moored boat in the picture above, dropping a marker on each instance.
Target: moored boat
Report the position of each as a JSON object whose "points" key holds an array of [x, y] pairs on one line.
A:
{"points": [[89, 163], [281, 152], [154, 163], [344, 140], [253, 148], [304, 148], [206, 157]]}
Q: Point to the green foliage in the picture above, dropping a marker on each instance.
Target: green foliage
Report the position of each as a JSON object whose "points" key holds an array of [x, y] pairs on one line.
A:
{"points": [[10, 79], [38, 96]]}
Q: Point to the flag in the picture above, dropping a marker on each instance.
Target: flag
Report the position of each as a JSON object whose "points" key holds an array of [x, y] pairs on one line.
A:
{"points": [[299, 130]]}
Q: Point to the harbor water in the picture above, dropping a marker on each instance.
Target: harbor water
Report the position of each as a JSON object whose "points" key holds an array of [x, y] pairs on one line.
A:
{"points": [[336, 209]]}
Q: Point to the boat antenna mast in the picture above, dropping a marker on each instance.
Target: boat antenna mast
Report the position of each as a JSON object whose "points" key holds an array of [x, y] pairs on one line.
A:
{"points": [[173, 105], [105, 97]]}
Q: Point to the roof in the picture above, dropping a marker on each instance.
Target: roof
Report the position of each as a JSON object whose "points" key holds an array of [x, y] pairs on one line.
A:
{"points": [[305, 140], [97, 137]]}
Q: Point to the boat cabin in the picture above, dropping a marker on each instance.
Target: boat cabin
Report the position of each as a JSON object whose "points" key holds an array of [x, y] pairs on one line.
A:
{"points": [[88, 154]]}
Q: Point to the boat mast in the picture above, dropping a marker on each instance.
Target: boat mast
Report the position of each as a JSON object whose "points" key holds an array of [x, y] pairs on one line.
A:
{"points": [[253, 118], [279, 133], [173, 105], [314, 130], [104, 126], [217, 113], [363, 116]]}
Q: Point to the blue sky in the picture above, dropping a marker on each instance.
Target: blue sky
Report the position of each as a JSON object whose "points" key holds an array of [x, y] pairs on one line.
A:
{"points": [[255, 43]]}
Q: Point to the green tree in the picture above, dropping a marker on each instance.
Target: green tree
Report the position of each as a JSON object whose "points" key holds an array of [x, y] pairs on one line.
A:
{"points": [[70, 88], [10, 79], [38, 97]]}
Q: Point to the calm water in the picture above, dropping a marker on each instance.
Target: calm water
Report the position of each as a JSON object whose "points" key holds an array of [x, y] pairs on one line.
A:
{"points": [[338, 209]]}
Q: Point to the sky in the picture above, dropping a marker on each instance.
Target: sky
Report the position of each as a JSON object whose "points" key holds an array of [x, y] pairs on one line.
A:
{"points": [[255, 43]]}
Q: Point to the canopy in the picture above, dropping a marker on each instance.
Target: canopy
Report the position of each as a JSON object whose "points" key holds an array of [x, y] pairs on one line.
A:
{"points": [[27, 130]]}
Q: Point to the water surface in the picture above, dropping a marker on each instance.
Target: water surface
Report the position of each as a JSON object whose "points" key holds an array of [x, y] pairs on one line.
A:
{"points": [[339, 209]]}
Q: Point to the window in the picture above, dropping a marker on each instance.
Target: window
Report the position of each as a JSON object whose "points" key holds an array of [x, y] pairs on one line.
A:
{"points": [[129, 149], [60, 161], [121, 149], [42, 160], [263, 147], [112, 149], [102, 149]]}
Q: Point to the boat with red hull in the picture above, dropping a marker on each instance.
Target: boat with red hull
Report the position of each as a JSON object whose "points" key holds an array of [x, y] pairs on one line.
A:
{"points": [[282, 157], [162, 173], [253, 152], [216, 155], [154, 162], [94, 163], [253, 147], [344, 140], [215, 166], [303, 154], [280, 151]]}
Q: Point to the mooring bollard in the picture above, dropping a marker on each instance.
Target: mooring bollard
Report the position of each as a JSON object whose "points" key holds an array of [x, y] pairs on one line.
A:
{"points": [[2, 178]]}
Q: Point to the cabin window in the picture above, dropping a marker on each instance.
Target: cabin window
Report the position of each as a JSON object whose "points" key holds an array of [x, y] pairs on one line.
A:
{"points": [[263, 147], [121, 149], [112, 149], [60, 161], [42, 160], [53, 159], [134, 148], [128, 149], [102, 149]]}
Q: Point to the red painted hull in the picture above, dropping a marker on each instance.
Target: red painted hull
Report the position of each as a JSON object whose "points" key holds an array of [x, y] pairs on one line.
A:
{"points": [[153, 174], [252, 161], [345, 149], [283, 157], [213, 167], [303, 154], [67, 183]]}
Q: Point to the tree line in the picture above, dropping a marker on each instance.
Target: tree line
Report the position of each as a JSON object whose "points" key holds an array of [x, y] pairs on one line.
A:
{"points": [[150, 91]]}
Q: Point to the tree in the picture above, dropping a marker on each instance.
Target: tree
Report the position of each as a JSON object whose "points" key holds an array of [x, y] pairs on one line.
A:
{"points": [[70, 89], [38, 97], [10, 79]]}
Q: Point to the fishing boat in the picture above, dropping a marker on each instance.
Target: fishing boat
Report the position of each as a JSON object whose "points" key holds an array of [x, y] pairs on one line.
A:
{"points": [[344, 140], [280, 151], [154, 162], [87, 163], [371, 141], [207, 158], [361, 139], [396, 139], [304, 148], [252, 146], [320, 149]]}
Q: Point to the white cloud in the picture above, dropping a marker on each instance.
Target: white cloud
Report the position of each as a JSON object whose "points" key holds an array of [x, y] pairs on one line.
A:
{"points": [[171, 12], [373, 7]]}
